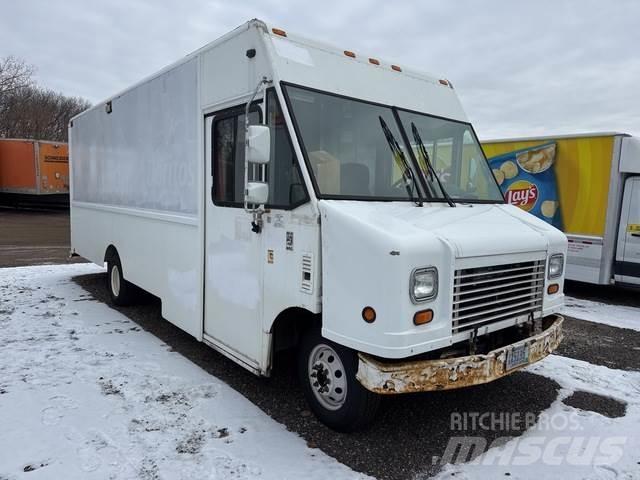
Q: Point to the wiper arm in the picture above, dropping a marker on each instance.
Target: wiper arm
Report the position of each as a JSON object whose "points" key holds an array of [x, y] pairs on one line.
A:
{"points": [[401, 161], [431, 171]]}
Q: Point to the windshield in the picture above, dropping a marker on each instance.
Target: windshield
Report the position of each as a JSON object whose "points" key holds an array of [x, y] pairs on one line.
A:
{"points": [[454, 152], [346, 147], [350, 157]]}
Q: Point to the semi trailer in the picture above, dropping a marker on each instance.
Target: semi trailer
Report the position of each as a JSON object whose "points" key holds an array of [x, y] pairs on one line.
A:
{"points": [[597, 203], [276, 192], [34, 172]]}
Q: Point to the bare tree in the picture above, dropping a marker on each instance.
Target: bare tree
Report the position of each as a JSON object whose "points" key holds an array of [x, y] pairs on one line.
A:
{"points": [[14, 75], [33, 112], [29, 111]]}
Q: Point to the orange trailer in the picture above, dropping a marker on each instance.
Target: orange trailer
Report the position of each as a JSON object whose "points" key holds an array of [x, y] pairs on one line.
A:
{"points": [[34, 171]]}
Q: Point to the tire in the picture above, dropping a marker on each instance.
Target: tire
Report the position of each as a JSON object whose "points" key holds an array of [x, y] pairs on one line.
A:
{"points": [[327, 373], [122, 293]]}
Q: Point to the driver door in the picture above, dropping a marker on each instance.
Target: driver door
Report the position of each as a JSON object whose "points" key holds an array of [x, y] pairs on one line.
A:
{"points": [[233, 298]]}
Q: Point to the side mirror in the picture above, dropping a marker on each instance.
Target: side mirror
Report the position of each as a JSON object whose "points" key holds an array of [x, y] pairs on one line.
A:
{"points": [[258, 144], [257, 193]]}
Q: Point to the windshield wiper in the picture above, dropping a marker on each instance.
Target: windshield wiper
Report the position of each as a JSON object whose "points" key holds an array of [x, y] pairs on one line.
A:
{"points": [[431, 171], [401, 161]]}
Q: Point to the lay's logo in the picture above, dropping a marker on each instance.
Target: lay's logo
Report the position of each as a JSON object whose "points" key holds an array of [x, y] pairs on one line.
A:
{"points": [[522, 194]]}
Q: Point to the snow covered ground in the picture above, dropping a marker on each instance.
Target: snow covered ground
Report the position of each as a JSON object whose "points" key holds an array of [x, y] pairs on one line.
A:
{"points": [[614, 315], [569, 443], [85, 394]]}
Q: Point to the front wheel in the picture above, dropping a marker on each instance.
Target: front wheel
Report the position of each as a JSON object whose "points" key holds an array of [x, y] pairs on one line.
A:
{"points": [[328, 376]]}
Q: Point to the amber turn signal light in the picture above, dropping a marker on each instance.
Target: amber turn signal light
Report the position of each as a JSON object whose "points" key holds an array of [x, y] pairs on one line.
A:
{"points": [[279, 31], [422, 317], [553, 288], [368, 314]]}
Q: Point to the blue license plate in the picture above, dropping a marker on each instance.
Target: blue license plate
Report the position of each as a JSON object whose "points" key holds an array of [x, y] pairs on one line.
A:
{"points": [[517, 356]]}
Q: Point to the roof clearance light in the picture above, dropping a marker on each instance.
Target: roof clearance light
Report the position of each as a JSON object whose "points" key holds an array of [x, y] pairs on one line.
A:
{"points": [[349, 54], [444, 82], [374, 61], [396, 68], [280, 32]]}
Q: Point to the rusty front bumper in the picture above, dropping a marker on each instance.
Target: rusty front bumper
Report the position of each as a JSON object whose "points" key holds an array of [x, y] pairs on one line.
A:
{"points": [[444, 374]]}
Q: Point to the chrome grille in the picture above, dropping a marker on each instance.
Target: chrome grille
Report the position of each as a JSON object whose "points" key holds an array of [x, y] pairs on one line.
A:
{"points": [[485, 295]]}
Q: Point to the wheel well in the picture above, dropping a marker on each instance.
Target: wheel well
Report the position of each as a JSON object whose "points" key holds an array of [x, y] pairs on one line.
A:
{"points": [[289, 325], [111, 253]]}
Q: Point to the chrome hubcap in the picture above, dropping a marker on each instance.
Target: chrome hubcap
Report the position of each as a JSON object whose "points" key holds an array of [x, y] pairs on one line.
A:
{"points": [[115, 280], [327, 377]]}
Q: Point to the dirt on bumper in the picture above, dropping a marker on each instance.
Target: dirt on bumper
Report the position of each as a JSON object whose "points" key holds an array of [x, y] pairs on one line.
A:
{"points": [[443, 374]]}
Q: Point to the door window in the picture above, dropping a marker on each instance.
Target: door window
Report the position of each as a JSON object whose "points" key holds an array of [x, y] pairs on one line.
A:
{"points": [[286, 187], [228, 155]]}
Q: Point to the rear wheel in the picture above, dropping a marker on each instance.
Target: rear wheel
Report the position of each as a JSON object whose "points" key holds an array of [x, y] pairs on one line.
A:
{"points": [[327, 372], [122, 293]]}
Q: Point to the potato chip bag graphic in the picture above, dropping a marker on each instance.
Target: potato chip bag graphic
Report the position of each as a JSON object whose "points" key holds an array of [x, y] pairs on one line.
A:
{"points": [[528, 181]]}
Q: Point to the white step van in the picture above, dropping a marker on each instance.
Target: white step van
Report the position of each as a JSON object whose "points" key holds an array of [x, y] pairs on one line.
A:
{"points": [[276, 192]]}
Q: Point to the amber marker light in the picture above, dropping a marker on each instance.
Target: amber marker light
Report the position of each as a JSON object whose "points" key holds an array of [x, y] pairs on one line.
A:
{"points": [[368, 314], [374, 61], [396, 68], [280, 32], [422, 317], [553, 288], [349, 53], [443, 82]]}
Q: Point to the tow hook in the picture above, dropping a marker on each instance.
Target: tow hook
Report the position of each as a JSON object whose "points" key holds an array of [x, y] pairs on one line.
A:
{"points": [[473, 342]]}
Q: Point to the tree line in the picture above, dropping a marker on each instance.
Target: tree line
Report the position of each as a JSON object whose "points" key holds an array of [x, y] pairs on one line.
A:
{"points": [[28, 110]]}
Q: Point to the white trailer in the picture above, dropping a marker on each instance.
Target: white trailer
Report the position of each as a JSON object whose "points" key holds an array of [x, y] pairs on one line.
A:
{"points": [[317, 222]]}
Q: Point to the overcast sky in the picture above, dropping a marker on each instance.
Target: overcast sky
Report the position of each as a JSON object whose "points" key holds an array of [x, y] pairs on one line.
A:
{"points": [[521, 68]]}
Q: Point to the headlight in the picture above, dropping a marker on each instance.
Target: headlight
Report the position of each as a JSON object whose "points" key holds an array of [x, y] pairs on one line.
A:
{"points": [[556, 264], [424, 284]]}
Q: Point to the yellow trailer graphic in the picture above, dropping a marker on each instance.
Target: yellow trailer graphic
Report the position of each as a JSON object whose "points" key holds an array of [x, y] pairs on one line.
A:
{"points": [[583, 171]]}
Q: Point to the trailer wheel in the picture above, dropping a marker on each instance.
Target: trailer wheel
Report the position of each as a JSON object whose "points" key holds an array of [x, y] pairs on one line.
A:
{"points": [[122, 293], [327, 373]]}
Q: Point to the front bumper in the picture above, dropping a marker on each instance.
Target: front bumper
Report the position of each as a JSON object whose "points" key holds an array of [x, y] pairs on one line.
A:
{"points": [[444, 374]]}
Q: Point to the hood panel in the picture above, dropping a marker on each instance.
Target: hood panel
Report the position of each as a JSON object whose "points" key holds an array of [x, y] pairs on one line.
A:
{"points": [[468, 230]]}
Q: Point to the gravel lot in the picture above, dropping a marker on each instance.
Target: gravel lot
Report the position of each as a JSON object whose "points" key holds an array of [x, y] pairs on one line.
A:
{"points": [[411, 429]]}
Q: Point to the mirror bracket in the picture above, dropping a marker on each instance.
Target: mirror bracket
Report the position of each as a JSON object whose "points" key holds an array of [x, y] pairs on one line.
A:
{"points": [[257, 145]]}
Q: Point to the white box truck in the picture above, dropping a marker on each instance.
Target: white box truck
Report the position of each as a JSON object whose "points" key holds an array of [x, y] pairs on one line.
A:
{"points": [[597, 202], [276, 192]]}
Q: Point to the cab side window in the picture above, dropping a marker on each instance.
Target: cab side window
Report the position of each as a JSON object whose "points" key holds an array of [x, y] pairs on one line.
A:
{"points": [[286, 187]]}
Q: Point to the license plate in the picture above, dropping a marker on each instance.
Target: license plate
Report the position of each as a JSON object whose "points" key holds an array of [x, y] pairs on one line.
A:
{"points": [[517, 356]]}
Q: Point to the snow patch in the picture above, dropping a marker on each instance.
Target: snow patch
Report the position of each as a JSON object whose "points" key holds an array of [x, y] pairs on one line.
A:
{"points": [[568, 443], [614, 315], [77, 402]]}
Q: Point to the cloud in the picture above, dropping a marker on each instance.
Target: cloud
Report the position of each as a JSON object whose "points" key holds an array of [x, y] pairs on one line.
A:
{"points": [[520, 68]]}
